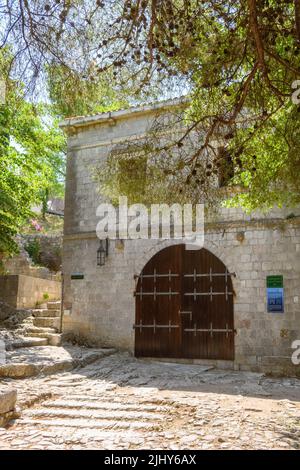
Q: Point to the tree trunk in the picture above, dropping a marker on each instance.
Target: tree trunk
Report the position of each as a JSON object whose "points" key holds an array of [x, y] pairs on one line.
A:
{"points": [[45, 203]]}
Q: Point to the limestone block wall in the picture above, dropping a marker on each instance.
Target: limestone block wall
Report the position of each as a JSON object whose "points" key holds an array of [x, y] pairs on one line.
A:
{"points": [[87, 148], [22, 291], [101, 306], [50, 255]]}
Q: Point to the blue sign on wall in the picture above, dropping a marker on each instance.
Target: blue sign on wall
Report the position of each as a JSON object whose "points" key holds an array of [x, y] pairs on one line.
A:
{"points": [[275, 299]]}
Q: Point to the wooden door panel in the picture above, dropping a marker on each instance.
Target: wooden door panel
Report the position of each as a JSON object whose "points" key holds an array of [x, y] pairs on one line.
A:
{"points": [[208, 294], [192, 293], [161, 277]]}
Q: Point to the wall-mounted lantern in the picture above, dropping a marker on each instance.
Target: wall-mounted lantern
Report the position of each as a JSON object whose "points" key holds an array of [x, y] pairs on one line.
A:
{"points": [[102, 252]]}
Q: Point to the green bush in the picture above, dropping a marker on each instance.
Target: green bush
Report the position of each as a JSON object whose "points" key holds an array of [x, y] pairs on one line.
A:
{"points": [[34, 250]]}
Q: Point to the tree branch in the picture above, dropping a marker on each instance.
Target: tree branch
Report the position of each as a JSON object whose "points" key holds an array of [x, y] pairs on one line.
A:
{"points": [[256, 33], [297, 17]]}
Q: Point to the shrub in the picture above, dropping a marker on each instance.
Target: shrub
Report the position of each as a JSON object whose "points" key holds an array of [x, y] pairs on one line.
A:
{"points": [[33, 249]]}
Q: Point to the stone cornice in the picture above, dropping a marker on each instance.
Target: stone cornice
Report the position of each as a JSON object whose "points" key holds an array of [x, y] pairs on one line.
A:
{"points": [[71, 124]]}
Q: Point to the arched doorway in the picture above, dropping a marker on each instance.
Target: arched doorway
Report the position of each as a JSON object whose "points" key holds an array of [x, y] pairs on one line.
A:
{"points": [[184, 306]]}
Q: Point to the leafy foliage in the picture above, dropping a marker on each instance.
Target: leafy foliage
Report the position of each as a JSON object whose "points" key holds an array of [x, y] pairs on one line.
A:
{"points": [[238, 60], [33, 248], [153, 170], [73, 95], [30, 159]]}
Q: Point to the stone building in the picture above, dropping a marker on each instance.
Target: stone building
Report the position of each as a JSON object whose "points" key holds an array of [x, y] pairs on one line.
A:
{"points": [[234, 303]]}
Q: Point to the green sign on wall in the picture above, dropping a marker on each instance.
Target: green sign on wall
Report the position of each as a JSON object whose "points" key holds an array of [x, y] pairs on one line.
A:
{"points": [[274, 281], [77, 276]]}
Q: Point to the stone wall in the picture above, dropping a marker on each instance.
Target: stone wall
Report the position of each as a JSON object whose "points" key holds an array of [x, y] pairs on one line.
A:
{"points": [[50, 255], [101, 307], [20, 291]]}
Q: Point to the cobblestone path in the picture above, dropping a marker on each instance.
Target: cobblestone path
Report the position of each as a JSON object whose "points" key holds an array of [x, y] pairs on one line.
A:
{"points": [[119, 402]]}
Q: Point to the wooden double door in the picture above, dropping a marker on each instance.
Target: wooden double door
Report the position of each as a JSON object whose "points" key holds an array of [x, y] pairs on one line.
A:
{"points": [[184, 306]]}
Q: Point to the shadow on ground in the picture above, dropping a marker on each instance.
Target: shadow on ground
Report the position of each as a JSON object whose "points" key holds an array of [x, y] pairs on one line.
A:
{"points": [[123, 370]]}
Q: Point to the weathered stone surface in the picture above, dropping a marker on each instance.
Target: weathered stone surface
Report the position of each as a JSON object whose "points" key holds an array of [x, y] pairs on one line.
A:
{"points": [[54, 305], [43, 330], [27, 343], [49, 250], [21, 291], [45, 313], [2, 352], [16, 318], [5, 310], [6, 417], [45, 322], [119, 402], [18, 370], [39, 324], [29, 362], [8, 398], [54, 339], [21, 263]]}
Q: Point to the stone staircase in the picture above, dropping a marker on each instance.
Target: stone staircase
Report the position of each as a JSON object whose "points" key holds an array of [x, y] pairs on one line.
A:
{"points": [[41, 328], [97, 420]]}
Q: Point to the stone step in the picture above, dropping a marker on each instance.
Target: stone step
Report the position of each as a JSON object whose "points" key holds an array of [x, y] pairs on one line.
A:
{"points": [[42, 306], [48, 360], [128, 400], [86, 423], [28, 343], [38, 312], [54, 305], [39, 330], [81, 434], [46, 322], [137, 415], [8, 398], [104, 405], [54, 339]]}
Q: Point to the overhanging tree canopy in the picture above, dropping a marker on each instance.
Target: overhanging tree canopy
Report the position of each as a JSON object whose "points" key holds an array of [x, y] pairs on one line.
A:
{"points": [[238, 60], [31, 159]]}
